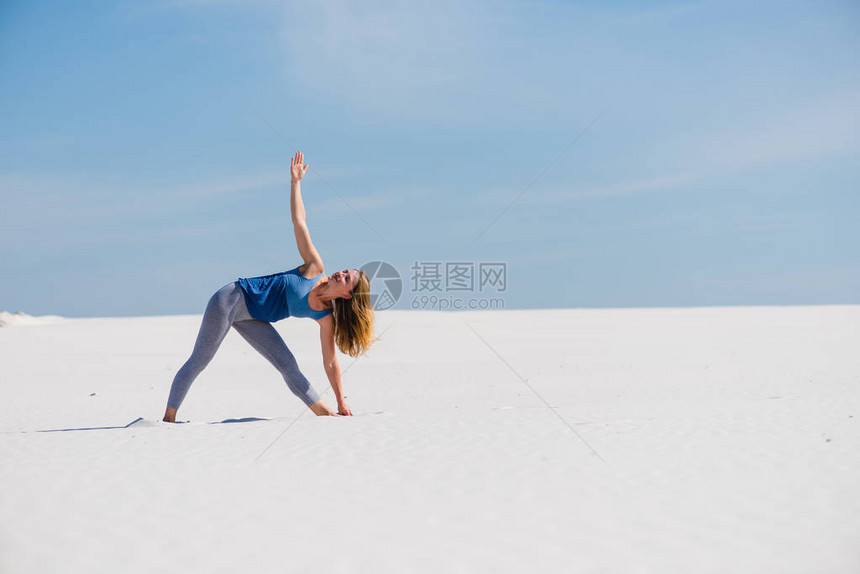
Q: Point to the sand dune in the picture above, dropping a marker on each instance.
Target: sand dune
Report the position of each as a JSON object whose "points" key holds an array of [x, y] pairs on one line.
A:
{"points": [[575, 440], [8, 319]]}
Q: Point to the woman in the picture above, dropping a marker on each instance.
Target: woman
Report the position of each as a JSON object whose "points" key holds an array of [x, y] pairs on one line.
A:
{"points": [[339, 303]]}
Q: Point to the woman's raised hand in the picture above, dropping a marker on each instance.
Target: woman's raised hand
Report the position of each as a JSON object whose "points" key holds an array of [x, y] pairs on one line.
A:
{"points": [[298, 167]]}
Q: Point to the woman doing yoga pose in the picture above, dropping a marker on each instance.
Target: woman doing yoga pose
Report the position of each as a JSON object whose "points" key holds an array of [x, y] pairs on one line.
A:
{"points": [[340, 303]]}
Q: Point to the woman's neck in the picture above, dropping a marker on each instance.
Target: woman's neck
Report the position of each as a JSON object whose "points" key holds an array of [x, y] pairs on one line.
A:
{"points": [[321, 294]]}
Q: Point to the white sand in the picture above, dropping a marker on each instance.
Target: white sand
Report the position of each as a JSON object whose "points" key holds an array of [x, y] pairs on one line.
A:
{"points": [[8, 319], [731, 437]]}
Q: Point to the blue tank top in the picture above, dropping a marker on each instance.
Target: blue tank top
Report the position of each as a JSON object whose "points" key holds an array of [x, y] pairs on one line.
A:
{"points": [[280, 295]]}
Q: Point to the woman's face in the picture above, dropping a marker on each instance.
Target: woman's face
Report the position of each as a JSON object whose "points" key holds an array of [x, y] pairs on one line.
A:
{"points": [[341, 283]]}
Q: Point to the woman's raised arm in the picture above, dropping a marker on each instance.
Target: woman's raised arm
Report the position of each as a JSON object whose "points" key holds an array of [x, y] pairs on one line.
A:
{"points": [[306, 247]]}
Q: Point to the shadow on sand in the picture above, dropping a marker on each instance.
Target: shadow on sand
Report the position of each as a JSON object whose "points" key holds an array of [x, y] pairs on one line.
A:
{"points": [[244, 420], [146, 423], [135, 421]]}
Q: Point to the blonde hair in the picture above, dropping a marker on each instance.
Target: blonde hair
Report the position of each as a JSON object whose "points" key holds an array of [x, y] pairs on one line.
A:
{"points": [[353, 319]]}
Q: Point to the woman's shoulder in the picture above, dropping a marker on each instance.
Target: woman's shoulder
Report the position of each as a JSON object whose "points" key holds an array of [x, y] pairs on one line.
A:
{"points": [[308, 270], [324, 318]]}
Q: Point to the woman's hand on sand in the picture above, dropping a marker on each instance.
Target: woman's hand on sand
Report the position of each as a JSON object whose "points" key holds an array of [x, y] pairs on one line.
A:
{"points": [[298, 167], [343, 409]]}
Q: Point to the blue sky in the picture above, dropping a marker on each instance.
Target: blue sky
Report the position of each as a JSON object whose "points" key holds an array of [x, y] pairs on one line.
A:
{"points": [[136, 177]]}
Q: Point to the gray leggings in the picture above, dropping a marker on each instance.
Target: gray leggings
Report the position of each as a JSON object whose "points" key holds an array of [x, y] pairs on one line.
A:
{"points": [[227, 309]]}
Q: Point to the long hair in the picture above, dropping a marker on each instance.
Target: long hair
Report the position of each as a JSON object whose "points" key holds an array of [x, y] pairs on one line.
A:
{"points": [[353, 319]]}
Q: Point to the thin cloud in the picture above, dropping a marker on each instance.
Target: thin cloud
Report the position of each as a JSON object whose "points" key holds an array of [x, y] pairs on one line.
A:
{"points": [[808, 131], [362, 203], [167, 5], [235, 184], [466, 63], [648, 185], [78, 197], [388, 58], [372, 201], [557, 195], [826, 127]]}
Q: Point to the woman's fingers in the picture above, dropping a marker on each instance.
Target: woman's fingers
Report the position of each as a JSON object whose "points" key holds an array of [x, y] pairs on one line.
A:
{"points": [[298, 163], [299, 160]]}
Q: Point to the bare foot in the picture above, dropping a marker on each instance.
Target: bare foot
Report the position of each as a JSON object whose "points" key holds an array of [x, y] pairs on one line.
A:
{"points": [[320, 409], [169, 415]]}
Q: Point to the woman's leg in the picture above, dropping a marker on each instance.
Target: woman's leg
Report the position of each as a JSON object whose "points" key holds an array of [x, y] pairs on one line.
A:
{"points": [[266, 340], [220, 313]]}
